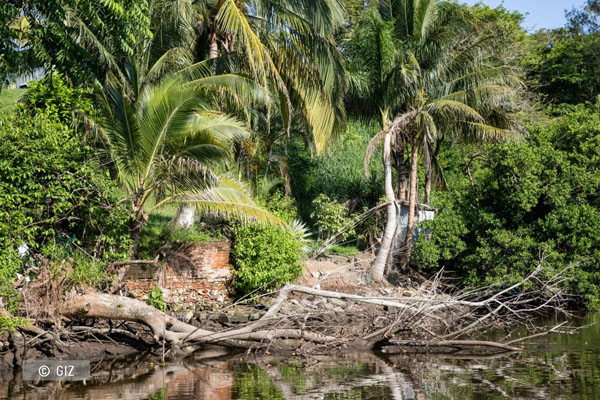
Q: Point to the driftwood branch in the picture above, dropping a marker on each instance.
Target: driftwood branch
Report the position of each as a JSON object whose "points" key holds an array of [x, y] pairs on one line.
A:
{"points": [[431, 320]]}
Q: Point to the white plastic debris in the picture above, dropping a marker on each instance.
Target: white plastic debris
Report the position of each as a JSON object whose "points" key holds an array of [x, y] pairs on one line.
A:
{"points": [[23, 250]]}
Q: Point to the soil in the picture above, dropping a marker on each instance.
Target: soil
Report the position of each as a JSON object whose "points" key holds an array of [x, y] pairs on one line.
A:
{"points": [[350, 274], [347, 274]]}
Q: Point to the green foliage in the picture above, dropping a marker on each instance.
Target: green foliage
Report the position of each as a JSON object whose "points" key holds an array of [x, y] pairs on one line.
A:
{"points": [[343, 250], [156, 299], [158, 232], [280, 205], [564, 66], [53, 195], [531, 200], [155, 232], [159, 395], [265, 257], [330, 217], [86, 271], [9, 324], [446, 243], [80, 38], [339, 173], [53, 97], [191, 235]]}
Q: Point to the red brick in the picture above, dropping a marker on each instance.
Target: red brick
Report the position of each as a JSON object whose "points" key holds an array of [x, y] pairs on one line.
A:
{"points": [[196, 272]]}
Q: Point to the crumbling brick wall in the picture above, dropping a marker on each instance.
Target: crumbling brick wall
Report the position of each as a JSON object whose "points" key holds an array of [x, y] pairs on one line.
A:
{"points": [[194, 273]]}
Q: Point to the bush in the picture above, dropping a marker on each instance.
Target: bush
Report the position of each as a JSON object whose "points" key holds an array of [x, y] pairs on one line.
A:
{"points": [[156, 299], [278, 204], [9, 324], [53, 195], [446, 242], [191, 235], [51, 191], [265, 257], [330, 217], [53, 97], [89, 272], [528, 200]]}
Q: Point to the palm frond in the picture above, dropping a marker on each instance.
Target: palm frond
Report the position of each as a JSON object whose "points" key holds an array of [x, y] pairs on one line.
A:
{"points": [[222, 127], [120, 126], [230, 199], [483, 132], [230, 19], [164, 109], [452, 109]]}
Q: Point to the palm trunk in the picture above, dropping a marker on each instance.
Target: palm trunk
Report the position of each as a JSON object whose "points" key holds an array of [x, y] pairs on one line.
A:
{"points": [[185, 217], [401, 176], [428, 179], [136, 231], [138, 220], [378, 267], [213, 51], [412, 206]]}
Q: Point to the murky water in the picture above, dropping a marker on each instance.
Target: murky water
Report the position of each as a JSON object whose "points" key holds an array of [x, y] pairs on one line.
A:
{"points": [[558, 366]]}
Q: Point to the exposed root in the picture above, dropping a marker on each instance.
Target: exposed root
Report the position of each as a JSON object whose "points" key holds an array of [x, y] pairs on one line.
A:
{"points": [[300, 318]]}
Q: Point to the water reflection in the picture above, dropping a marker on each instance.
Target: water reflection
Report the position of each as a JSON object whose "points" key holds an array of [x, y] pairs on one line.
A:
{"points": [[559, 366]]}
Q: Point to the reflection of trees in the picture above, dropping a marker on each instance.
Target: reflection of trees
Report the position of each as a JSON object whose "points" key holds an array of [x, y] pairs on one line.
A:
{"points": [[137, 378], [545, 374], [349, 376]]}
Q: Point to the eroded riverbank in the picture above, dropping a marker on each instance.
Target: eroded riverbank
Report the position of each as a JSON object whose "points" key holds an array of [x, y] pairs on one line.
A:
{"points": [[557, 366]]}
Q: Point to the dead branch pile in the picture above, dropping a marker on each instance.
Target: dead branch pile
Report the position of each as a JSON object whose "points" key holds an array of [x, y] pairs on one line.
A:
{"points": [[311, 320]]}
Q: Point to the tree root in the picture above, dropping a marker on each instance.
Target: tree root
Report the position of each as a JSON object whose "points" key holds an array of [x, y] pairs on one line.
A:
{"points": [[431, 319]]}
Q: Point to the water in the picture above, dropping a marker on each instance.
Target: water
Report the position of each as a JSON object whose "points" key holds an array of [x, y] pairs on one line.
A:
{"points": [[558, 366]]}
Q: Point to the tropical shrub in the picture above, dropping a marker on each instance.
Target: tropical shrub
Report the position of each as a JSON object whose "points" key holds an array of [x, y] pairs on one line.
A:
{"points": [[265, 257], [525, 202], [280, 205], [156, 299], [52, 96], [330, 217], [9, 324], [87, 271], [52, 193]]}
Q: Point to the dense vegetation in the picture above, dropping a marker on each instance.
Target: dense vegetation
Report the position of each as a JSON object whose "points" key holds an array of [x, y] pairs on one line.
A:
{"points": [[258, 116]]}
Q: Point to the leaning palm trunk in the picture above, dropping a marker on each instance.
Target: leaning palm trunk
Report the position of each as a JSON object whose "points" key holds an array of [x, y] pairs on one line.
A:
{"points": [[185, 217], [412, 206], [378, 267]]}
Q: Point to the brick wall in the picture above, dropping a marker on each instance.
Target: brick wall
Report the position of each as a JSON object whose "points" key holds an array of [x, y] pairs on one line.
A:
{"points": [[194, 273]]}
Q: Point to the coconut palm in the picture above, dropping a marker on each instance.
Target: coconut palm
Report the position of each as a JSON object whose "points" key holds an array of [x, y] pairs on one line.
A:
{"points": [[286, 46], [289, 46], [430, 77], [165, 145]]}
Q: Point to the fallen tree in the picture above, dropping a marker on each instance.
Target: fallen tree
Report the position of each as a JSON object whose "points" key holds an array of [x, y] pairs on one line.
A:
{"points": [[437, 316]]}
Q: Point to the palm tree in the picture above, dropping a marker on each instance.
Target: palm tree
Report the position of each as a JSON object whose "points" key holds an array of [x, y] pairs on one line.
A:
{"points": [[431, 77], [286, 46], [289, 46], [164, 145]]}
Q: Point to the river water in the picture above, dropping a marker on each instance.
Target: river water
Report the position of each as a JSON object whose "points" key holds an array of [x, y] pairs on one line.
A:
{"points": [[557, 366]]}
